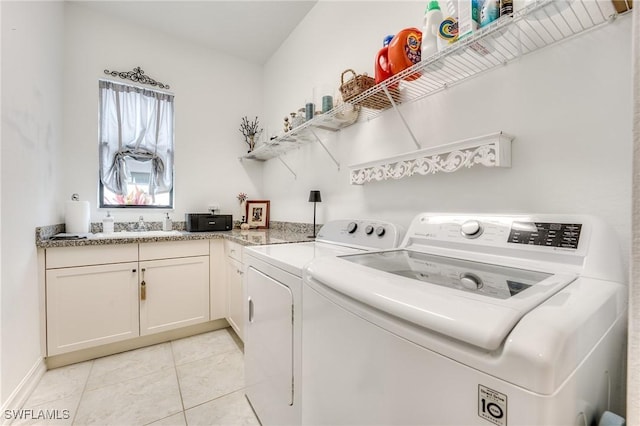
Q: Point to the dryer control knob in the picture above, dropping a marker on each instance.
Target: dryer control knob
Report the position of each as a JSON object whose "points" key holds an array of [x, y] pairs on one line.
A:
{"points": [[351, 228], [368, 230], [380, 231], [470, 281], [471, 229]]}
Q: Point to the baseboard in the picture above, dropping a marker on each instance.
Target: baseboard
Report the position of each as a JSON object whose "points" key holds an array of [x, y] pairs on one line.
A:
{"points": [[82, 355], [20, 395]]}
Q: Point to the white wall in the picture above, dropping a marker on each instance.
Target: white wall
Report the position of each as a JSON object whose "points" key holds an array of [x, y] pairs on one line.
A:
{"points": [[633, 363], [213, 91], [569, 107], [32, 35]]}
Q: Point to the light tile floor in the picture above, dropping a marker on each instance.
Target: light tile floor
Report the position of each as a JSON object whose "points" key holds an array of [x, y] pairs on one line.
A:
{"points": [[198, 380]]}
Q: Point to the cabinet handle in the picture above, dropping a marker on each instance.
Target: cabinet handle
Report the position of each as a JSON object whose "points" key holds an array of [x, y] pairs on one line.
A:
{"points": [[240, 272], [143, 287], [250, 310], [143, 290], [133, 270]]}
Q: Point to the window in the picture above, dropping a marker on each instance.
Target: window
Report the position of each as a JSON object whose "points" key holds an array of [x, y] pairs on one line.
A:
{"points": [[136, 147]]}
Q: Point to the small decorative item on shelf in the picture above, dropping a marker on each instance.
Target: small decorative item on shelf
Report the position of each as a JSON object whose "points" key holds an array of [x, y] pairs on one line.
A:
{"points": [[287, 124], [327, 103], [258, 213], [298, 119], [242, 197], [359, 84], [250, 131]]}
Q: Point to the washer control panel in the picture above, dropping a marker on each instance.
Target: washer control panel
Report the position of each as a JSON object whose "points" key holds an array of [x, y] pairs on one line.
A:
{"points": [[535, 232], [372, 234], [566, 235]]}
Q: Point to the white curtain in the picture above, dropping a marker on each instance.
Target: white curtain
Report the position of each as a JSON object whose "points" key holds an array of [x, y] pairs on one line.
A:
{"points": [[136, 123]]}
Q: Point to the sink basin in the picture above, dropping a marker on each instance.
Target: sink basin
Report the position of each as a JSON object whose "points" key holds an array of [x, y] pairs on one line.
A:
{"points": [[138, 234]]}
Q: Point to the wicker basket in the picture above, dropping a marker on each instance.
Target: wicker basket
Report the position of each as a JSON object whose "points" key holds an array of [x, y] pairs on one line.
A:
{"points": [[359, 84]]}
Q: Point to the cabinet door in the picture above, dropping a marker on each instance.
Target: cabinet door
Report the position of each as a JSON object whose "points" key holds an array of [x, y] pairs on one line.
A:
{"points": [[176, 293], [268, 351], [235, 293], [91, 305]]}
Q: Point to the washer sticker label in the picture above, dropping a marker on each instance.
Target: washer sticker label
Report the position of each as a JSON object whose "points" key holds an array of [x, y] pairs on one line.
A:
{"points": [[492, 405]]}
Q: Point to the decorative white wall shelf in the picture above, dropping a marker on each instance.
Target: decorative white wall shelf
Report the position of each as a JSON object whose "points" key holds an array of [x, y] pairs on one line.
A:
{"points": [[542, 23], [492, 150]]}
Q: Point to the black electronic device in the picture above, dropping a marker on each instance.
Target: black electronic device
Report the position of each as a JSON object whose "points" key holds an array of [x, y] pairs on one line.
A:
{"points": [[206, 222]]}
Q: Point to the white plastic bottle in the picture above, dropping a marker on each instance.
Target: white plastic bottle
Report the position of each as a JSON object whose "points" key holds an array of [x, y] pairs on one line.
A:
{"points": [[166, 223], [107, 224], [432, 19]]}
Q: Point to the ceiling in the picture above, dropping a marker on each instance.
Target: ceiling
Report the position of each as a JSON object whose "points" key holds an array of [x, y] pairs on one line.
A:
{"points": [[251, 30]]}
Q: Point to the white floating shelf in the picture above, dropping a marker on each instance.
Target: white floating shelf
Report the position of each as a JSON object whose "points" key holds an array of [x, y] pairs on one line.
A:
{"points": [[492, 150]]}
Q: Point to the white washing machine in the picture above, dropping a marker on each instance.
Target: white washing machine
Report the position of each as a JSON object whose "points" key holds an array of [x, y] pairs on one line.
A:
{"points": [[273, 329], [474, 320]]}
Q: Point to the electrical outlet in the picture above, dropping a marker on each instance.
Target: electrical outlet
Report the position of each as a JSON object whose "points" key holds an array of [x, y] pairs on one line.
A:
{"points": [[214, 207]]}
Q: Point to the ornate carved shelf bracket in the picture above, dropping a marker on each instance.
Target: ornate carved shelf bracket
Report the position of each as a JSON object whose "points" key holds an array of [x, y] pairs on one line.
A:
{"points": [[491, 151], [138, 76]]}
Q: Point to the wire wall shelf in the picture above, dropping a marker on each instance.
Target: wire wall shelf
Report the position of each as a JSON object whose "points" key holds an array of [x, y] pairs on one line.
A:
{"points": [[541, 24]]}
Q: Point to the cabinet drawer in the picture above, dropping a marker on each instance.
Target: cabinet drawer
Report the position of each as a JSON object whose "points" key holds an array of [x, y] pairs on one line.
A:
{"points": [[64, 257], [233, 250], [173, 249]]}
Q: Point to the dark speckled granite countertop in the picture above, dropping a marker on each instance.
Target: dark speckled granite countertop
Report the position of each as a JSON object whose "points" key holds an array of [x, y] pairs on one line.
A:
{"points": [[278, 235]]}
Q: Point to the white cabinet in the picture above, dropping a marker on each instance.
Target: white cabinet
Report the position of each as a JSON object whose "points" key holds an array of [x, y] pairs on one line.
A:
{"points": [[93, 304], [95, 294], [235, 290], [174, 293], [174, 285]]}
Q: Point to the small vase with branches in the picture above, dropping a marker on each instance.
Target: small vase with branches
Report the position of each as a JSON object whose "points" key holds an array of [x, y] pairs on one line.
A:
{"points": [[249, 130]]}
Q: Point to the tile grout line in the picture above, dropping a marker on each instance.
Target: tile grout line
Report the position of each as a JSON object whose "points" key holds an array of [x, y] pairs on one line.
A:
{"points": [[84, 388], [175, 370], [129, 379]]}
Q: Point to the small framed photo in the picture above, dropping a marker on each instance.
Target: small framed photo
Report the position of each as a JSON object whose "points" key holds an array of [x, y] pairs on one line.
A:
{"points": [[258, 213]]}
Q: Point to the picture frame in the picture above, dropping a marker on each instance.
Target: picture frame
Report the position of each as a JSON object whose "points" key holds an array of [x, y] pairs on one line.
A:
{"points": [[258, 213]]}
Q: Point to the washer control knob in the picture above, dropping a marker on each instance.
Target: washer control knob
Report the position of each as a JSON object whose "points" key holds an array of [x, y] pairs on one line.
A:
{"points": [[470, 281], [368, 230], [471, 229], [351, 228], [380, 231]]}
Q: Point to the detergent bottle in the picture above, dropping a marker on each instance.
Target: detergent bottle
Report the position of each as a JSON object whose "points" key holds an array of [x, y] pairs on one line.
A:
{"points": [[404, 51], [382, 67], [432, 19]]}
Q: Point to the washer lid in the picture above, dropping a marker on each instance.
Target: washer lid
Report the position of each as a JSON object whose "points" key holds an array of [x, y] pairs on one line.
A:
{"points": [[477, 303]]}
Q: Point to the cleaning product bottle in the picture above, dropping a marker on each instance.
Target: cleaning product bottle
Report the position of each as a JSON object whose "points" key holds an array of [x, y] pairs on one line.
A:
{"points": [[382, 67], [107, 224], [404, 51], [490, 12], [432, 19], [166, 223], [448, 31]]}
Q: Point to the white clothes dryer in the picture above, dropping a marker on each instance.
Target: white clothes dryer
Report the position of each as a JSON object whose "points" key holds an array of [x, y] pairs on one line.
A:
{"points": [[273, 320]]}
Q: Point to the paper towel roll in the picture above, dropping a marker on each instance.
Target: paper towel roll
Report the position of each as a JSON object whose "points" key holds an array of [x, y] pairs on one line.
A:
{"points": [[76, 217]]}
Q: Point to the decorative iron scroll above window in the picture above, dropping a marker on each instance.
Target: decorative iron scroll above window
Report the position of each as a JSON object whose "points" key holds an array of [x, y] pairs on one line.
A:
{"points": [[138, 76], [136, 146]]}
